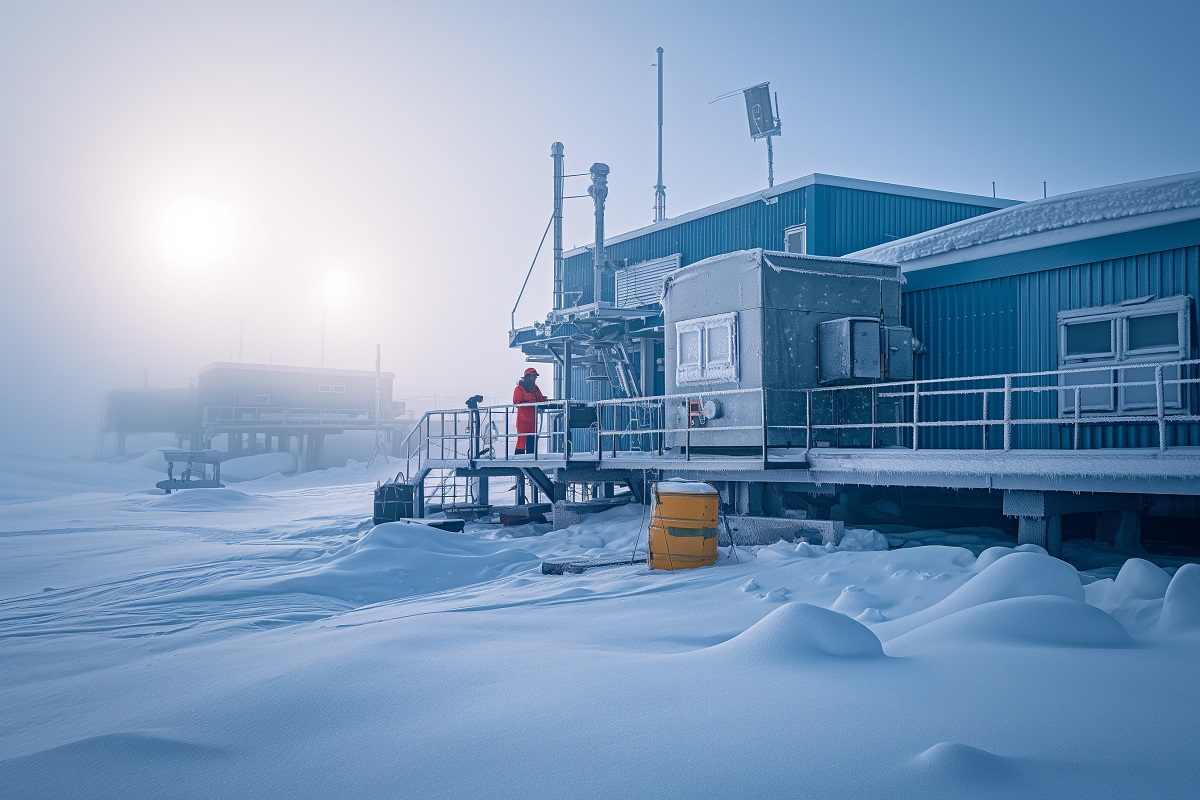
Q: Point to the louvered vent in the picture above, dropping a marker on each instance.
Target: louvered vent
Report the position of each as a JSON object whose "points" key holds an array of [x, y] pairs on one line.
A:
{"points": [[641, 284]]}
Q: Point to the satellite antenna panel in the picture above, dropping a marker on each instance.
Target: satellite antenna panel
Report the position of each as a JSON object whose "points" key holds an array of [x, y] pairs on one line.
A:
{"points": [[759, 111]]}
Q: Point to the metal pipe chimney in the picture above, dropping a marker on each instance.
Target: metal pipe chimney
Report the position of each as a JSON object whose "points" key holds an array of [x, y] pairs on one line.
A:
{"points": [[599, 191], [556, 152], [660, 191]]}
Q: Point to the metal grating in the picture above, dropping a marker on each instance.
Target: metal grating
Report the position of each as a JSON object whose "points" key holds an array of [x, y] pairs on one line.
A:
{"points": [[641, 284]]}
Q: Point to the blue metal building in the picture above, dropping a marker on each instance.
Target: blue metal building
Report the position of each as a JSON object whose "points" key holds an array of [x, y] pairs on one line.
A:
{"points": [[1107, 278], [817, 215], [1027, 330]]}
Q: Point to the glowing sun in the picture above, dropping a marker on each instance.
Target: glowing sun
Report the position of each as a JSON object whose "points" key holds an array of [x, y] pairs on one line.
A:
{"points": [[197, 231]]}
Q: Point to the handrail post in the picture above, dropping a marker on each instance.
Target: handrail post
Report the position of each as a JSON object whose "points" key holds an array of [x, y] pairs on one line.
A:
{"points": [[874, 416], [1007, 413], [916, 416], [808, 443], [687, 431], [566, 429], [985, 419], [1161, 405], [661, 425], [1075, 437]]}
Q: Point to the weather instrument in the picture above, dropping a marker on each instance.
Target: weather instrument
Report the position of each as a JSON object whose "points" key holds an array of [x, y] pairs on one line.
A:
{"points": [[763, 116]]}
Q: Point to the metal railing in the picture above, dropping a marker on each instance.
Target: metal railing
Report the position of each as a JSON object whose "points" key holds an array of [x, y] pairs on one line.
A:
{"points": [[1140, 406], [489, 433], [268, 416], [1051, 409]]}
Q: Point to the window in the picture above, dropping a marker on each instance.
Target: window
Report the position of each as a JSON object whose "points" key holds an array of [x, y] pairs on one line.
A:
{"points": [[332, 388], [1152, 333], [262, 399], [1125, 341], [1086, 339], [795, 239], [707, 350]]}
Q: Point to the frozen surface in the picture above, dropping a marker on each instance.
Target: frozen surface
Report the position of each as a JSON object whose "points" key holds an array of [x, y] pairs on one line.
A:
{"points": [[267, 641], [680, 486], [1126, 206]]}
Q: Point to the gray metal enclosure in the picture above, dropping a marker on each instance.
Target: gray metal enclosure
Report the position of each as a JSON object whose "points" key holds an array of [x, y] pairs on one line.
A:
{"points": [[742, 329]]}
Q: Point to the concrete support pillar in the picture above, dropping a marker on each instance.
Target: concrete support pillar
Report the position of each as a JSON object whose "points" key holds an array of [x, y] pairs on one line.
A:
{"points": [[748, 498], [1121, 529], [772, 499], [519, 490], [481, 490], [1045, 532], [319, 450]]}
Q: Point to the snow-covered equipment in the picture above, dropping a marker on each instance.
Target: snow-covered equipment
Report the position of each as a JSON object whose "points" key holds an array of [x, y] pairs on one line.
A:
{"points": [[394, 500], [195, 474], [683, 525], [577, 567], [750, 333]]}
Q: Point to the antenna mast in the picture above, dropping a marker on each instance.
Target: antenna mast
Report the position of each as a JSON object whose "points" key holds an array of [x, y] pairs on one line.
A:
{"points": [[660, 191]]}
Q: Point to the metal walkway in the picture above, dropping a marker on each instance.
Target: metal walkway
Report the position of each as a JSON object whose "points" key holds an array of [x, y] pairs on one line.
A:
{"points": [[878, 434]]}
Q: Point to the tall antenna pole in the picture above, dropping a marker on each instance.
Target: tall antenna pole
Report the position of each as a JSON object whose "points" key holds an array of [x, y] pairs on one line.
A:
{"points": [[660, 191], [770, 164], [380, 447], [556, 152]]}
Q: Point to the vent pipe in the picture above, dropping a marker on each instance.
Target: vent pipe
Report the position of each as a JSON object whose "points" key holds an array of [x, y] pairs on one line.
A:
{"points": [[599, 191], [556, 152]]}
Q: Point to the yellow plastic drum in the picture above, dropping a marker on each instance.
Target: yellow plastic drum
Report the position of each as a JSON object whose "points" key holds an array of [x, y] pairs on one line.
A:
{"points": [[683, 525]]}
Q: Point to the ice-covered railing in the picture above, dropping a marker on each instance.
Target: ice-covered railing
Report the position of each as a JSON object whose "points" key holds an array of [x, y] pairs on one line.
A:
{"points": [[1130, 405], [287, 417], [490, 433], [1089, 407]]}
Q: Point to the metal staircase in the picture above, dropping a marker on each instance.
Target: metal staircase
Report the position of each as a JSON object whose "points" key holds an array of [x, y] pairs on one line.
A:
{"points": [[443, 436]]}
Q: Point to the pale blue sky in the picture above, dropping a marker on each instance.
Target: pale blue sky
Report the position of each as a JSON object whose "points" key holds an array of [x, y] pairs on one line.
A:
{"points": [[409, 146]]}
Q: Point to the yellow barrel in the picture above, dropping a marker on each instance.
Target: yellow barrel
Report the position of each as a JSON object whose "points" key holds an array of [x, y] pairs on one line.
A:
{"points": [[683, 525]]}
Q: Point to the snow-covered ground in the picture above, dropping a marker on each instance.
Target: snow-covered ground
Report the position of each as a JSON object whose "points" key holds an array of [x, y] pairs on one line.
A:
{"points": [[265, 641]]}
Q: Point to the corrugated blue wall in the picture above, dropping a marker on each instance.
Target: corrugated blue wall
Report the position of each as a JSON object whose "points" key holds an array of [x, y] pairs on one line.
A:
{"points": [[1009, 324], [845, 220], [839, 221], [757, 224]]}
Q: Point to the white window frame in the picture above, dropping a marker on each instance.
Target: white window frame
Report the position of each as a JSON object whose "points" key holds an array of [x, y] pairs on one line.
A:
{"points": [[803, 231], [704, 369], [262, 399], [1123, 364]]}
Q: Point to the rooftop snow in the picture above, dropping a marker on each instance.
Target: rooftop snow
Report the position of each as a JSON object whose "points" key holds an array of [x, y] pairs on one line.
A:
{"points": [[1054, 220], [279, 368]]}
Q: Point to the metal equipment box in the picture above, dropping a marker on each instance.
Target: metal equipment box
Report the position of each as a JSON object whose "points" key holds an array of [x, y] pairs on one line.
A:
{"points": [[849, 350], [857, 349], [750, 320]]}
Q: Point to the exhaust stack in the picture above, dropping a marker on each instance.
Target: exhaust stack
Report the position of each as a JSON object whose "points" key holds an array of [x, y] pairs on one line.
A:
{"points": [[599, 191]]}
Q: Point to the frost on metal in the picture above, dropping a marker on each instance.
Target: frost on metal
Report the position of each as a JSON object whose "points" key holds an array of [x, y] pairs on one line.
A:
{"points": [[1120, 208], [707, 349]]}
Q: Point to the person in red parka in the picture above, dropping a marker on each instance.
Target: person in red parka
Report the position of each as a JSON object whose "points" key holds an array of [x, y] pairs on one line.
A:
{"points": [[527, 391]]}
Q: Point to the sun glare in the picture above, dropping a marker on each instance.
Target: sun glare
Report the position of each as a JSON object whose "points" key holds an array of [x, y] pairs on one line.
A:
{"points": [[336, 288], [197, 231]]}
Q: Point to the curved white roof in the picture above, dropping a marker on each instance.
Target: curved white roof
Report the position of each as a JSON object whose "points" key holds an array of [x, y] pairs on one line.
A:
{"points": [[1053, 220]]}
